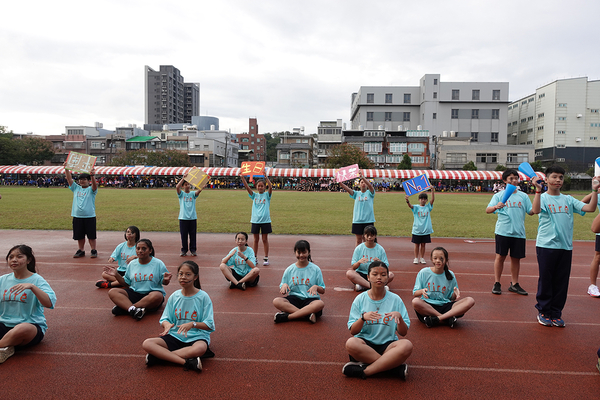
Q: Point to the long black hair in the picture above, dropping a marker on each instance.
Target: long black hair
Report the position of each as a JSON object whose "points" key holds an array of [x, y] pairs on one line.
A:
{"points": [[302, 246], [135, 230], [148, 243], [449, 275], [370, 230], [195, 270], [27, 252]]}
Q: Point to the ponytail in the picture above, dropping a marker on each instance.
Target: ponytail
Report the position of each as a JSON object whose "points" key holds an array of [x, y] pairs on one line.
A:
{"points": [[447, 272]]}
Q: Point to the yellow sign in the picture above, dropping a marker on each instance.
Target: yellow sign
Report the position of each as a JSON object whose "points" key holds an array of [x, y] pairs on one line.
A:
{"points": [[197, 178]]}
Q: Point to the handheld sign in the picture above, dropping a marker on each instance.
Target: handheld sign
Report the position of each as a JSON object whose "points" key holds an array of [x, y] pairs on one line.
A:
{"points": [[510, 189], [527, 170], [253, 168], [197, 178], [416, 185], [78, 162], [597, 167], [347, 173]]}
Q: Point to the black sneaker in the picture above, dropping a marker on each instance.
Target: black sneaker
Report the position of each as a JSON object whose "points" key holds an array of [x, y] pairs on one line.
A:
{"points": [[431, 321], [193, 364], [116, 310], [354, 370], [232, 285], [138, 313], [94, 254], [152, 360], [79, 254], [452, 322], [241, 286], [281, 317], [496, 289], [516, 288], [401, 371]]}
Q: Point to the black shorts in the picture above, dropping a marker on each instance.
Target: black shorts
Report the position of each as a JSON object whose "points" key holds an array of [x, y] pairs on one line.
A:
{"points": [[359, 229], [36, 339], [134, 297], [515, 245], [598, 243], [379, 348], [442, 309], [258, 228], [299, 302], [364, 276], [238, 277], [418, 239], [83, 227], [175, 344]]}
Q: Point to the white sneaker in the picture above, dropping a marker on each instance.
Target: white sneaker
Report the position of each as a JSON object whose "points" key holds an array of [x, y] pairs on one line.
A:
{"points": [[387, 288], [593, 291], [416, 261], [266, 262], [6, 352], [423, 261], [358, 288]]}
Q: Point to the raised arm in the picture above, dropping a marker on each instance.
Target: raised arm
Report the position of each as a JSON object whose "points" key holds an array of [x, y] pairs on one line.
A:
{"points": [[432, 194], [269, 184], [246, 184], [408, 201], [366, 181], [68, 175], [591, 206], [94, 183], [536, 205], [179, 185], [346, 188]]}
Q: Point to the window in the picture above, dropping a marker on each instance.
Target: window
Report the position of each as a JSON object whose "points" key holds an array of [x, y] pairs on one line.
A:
{"points": [[456, 158], [517, 158], [435, 95], [530, 130], [541, 128], [454, 113], [523, 120], [416, 147], [562, 118], [562, 104], [417, 160], [593, 137], [494, 137], [530, 118], [541, 115], [540, 141], [594, 110], [561, 132], [541, 96], [370, 98], [496, 113], [524, 102], [475, 113], [474, 136], [522, 132], [495, 95], [487, 157], [561, 146], [388, 116], [388, 98], [434, 115], [406, 98], [96, 145], [369, 116], [372, 147], [475, 94], [406, 116], [435, 81], [244, 140], [252, 135], [284, 156], [455, 94], [398, 148]]}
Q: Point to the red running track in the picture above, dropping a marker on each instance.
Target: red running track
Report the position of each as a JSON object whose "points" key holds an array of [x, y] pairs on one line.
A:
{"points": [[498, 350]]}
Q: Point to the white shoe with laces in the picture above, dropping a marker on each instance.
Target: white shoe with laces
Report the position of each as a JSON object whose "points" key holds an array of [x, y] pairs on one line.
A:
{"points": [[423, 261], [593, 291], [416, 261]]}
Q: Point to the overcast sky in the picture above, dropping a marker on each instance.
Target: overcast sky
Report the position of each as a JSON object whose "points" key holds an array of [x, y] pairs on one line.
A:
{"points": [[289, 64]]}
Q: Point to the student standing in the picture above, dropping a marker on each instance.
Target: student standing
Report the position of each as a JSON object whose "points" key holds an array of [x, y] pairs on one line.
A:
{"points": [[363, 214], [83, 210], [510, 231], [188, 223], [554, 244], [261, 213], [422, 228]]}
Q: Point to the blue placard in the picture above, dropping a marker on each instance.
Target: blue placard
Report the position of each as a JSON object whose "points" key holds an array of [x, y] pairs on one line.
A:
{"points": [[416, 185]]}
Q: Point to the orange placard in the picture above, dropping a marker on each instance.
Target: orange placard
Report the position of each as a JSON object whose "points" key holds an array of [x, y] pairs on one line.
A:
{"points": [[197, 178], [253, 168], [79, 162]]}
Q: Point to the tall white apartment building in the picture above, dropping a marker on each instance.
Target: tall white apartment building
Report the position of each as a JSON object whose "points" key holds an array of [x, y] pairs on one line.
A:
{"points": [[562, 121], [471, 110]]}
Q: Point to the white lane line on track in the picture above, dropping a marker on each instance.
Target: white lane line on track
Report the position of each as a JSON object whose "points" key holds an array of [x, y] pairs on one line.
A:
{"points": [[325, 363]]}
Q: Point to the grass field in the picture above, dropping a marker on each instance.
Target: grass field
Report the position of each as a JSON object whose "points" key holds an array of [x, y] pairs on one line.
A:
{"points": [[323, 213]]}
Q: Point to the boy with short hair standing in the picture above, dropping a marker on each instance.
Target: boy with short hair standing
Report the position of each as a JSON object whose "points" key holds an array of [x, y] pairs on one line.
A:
{"points": [[188, 223], [510, 231], [554, 244], [83, 210]]}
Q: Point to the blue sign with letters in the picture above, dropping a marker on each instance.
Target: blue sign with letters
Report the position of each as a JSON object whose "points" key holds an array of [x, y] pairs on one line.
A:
{"points": [[416, 185]]}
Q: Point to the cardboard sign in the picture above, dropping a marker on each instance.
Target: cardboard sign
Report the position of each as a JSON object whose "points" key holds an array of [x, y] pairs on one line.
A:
{"points": [[253, 168], [197, 178], [347, 173], [416, 185], [78, 162]]}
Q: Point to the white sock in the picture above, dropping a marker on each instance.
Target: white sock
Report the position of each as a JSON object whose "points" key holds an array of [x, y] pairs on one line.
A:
{"points": [[131, 308]]}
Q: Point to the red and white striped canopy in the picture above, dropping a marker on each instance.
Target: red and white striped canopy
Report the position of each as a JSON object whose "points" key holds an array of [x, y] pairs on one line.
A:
{"points": [[277, 172]]}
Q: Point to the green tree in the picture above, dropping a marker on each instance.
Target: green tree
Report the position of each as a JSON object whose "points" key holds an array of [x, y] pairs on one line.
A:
{"points": [[8, 151], [167, 158], [271, 143], [470, 166], [34, 151], [537, 166], [406, 162], [345, 154], [500, 167]]}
